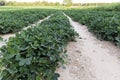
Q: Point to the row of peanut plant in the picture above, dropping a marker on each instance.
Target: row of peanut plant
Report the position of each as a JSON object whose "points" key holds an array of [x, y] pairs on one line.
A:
{"points": [[14, 20], [104, 24], [35, 53]]}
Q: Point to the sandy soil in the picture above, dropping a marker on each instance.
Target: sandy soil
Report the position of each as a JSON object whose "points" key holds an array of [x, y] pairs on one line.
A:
{"points": [[90, 58], [7, 36]]}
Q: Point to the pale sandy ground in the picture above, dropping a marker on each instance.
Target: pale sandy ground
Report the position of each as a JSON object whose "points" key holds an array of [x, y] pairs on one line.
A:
{"points": [[7, 36], [90, 58]]}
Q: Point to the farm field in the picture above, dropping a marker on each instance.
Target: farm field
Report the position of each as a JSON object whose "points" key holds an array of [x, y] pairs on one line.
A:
{"points": [[84, 41], [42, 40], [12, 21]]}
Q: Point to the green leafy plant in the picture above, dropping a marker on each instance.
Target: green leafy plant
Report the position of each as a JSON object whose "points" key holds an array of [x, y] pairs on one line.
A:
{"points": [[34, 54], [14, 20], [104, 24]]}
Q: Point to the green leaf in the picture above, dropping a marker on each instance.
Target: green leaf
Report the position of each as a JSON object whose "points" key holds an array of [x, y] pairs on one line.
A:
{"points": [[1, 39], [9, 56], [11, 50], [38, 77], [28, 61], [22, 62]]}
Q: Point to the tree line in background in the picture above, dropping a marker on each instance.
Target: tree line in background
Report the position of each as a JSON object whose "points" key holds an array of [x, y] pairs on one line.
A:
{"points": [[38, 3], [45, 3]]}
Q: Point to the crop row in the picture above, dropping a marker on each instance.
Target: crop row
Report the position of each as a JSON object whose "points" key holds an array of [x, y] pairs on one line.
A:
{"points": [[105, 25], [15, 20], [35, 53]]}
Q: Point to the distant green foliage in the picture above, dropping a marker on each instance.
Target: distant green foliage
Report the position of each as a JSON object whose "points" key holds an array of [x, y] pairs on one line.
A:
{"points": [[109, 7], [44, 3], [67, 2], [101, 7], [2, 2], [34, 54]]}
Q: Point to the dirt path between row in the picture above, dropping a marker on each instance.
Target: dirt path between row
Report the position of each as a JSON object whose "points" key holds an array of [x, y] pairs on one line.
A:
{"points": [[90, 58]]}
